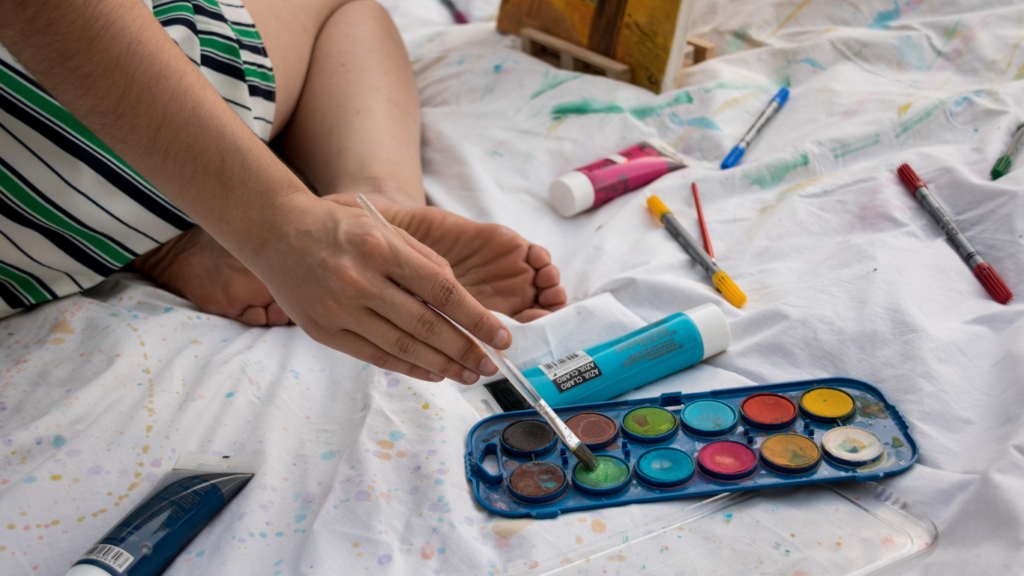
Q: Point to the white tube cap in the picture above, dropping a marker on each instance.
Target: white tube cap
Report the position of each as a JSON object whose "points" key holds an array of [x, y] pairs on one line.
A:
{"points": [[714, 330], [86, 570], [571, 194]]}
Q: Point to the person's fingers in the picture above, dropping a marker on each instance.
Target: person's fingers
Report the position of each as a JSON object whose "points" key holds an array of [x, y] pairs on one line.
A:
{"points": [[538, 257], [530, 314], [409, 348], [423, 322], [425, 251], [276, 316], [254, 316], [552, 297], [547, 277], [356, 346], [443, 291]]}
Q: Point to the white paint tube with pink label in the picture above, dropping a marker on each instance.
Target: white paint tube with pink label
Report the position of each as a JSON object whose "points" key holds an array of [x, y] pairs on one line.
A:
{"points": [[611, 177]]}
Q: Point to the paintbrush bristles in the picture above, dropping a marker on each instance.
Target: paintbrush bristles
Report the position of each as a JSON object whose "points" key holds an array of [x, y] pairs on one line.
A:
{"points": [[586, 457]]}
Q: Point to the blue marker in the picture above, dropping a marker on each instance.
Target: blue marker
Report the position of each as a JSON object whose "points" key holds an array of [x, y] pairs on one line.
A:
{"points": [[737, 151]]}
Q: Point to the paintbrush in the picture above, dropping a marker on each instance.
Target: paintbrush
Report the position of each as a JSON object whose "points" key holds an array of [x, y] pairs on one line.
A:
{"points": [[509, 370], [703, 225], [719, 278]]}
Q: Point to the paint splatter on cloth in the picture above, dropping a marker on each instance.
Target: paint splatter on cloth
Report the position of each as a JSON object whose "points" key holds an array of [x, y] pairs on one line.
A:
{"points": [[845, 273]]}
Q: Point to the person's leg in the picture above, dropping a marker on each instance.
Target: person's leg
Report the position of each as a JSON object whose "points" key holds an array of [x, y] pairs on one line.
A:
{"points": [[349, 112], [193, 265], [356, 128], [357, 120]]}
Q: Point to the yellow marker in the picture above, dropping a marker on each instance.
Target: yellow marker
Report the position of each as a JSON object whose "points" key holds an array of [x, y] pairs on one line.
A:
{"points": [[719, 278]]}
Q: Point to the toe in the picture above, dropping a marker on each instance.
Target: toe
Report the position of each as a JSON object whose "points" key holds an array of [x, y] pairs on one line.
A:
{"points": [[254, 316], [530, 315], [547, 277], [276, 315], [538, 257], [552, 297]]}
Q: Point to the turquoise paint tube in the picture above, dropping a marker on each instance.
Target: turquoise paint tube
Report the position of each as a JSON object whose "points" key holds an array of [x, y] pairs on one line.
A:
{"points": [[153, 533], [605, 371]]}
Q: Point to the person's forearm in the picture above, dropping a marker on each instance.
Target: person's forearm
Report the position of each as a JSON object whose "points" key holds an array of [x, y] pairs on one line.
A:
{"points": [[364, 78], [110, 63]]}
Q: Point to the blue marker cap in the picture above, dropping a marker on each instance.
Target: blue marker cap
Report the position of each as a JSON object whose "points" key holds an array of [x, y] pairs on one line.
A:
{"points": [[781, 96], [737, 152], [734, 156]]}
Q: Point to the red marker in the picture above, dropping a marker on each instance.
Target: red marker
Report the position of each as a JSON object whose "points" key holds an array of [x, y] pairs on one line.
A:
{"points": [[983, 270], [703, 226]]}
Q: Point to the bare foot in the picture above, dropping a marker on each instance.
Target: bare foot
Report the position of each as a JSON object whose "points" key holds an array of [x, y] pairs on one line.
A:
{"points": [[500, 268], [196, 267]]}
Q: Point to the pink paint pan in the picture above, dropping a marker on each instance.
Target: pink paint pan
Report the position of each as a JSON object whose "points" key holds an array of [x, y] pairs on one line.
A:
{"points": [[727, 460]]}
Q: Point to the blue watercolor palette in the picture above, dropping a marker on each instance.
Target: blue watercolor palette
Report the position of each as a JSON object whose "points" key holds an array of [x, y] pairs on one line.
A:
{"points": [[720, 443]]}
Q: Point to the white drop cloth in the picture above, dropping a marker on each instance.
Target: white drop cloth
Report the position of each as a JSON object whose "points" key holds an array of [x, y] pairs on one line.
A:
{"points": [[846, 275]]}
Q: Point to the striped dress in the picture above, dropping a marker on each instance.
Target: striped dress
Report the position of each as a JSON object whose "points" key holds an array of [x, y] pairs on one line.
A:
{"points": [[71, 211]]}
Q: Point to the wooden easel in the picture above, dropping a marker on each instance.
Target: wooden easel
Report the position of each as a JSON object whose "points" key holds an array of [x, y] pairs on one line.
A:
{"points": [[569, 56]]}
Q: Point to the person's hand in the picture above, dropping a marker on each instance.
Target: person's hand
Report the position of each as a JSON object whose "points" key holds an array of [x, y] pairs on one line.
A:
{"points": [[350, 284]]}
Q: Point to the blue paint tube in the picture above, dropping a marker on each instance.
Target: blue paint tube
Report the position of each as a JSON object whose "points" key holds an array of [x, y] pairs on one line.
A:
{"points": [[153, 533], [605, 371]]}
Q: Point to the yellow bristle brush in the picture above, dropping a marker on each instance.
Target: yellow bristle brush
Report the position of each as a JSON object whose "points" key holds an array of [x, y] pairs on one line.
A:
{"points": [[719, 278]]}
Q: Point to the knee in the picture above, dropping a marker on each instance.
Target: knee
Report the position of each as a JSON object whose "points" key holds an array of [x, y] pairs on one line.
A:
{"points": [[367, 5]]}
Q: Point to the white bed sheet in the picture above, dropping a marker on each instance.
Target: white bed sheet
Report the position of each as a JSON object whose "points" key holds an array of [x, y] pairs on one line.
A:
{"points": [[845, 273]]}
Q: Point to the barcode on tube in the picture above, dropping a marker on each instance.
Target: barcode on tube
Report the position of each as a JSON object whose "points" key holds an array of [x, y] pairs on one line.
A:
{"points": [[559, 362], [116, 557]]}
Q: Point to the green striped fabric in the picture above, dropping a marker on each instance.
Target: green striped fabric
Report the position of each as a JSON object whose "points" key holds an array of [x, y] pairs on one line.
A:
{"points": [[72, 212]]}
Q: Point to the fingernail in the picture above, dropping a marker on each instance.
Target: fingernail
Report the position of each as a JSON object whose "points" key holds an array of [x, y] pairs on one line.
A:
{"points": [[500, 340], [469, 377], [435, 377], [487, 367]]}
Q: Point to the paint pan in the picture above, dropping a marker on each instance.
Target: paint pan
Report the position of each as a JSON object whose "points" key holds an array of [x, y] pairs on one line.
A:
{"points": [[768, 411], [790, 453], [827, 404], [527, 438], [593, 429], [852, 446], [665, 468], [612, 475], [727, 460], [709, 418], [537, 482], [649, 424]]}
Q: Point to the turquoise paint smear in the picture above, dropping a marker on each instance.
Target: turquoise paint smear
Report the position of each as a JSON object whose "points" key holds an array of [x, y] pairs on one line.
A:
{"points": [[916, 120], [58, 441], [884, 17], [586, 106], [328, 455], [855, 146], [738, 41], [911, 53], [396, 435], [738, 86], [773, 175], [499, 67], [702, 122], [552, 81], [812, 63], [645, 111]]}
